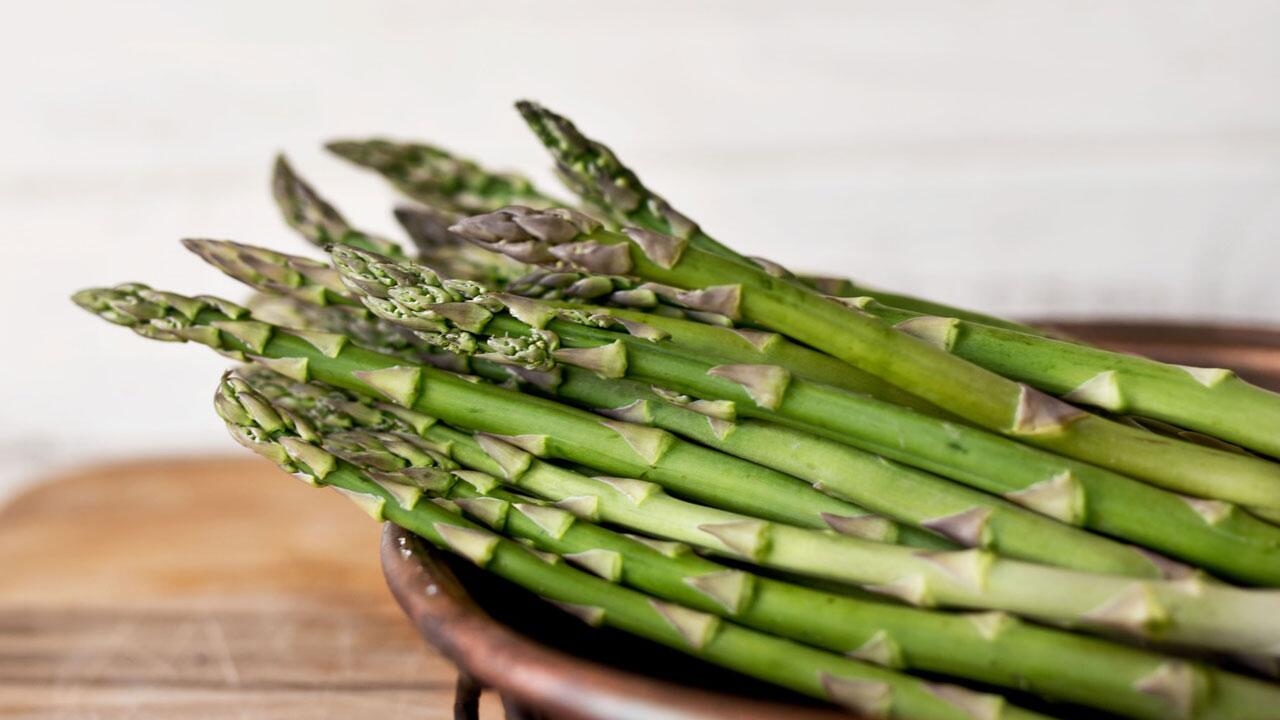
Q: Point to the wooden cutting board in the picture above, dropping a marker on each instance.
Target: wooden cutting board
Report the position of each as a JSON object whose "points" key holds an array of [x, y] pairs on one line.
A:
{"points": [[203, 588]]}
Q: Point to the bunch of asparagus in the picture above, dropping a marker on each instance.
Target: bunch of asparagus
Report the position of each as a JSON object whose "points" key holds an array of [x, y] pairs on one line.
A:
{"points": [[903, 508]]}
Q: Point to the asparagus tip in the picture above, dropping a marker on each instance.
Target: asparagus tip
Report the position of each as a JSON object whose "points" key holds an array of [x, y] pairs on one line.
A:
{"points": [[346, 149]]}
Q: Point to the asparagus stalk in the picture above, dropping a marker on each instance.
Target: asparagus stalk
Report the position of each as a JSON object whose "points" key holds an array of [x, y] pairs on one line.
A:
{"points": [[742, 345], [1215, 535], [315, 219], [916, 365], [604, 181], [606, 500], [862, 687], [437, 178], [1015, 655], [609, 183], [1216, 402], [992, 648], [1188, 612], [963, 515]]}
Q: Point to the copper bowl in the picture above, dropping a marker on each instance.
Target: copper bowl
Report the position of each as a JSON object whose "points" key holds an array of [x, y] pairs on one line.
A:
{"points": [[545, 664]]}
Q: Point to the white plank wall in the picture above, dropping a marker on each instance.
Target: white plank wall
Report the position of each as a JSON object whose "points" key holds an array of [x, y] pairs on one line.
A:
{"points": [[1028, 157]]}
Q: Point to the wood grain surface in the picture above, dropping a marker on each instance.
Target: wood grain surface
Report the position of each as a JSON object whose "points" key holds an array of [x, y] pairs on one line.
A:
{"points": [[202, 588]]}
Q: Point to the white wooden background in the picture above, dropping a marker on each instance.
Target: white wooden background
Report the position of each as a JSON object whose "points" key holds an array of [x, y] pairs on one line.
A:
{"points": [[1030, 157]]}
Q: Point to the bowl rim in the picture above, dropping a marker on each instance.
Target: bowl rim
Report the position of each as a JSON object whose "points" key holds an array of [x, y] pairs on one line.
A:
{"points": [[535, 674]]}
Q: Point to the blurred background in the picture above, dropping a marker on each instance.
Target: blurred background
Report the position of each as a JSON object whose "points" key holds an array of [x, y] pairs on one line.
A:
{"points": [[1074, 159]]}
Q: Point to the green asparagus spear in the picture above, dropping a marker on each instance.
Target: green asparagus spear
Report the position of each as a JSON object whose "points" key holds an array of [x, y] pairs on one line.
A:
{"points": [[992, 648], [862, 687], [315, 219], [440, 179], [1213, 534], [726, 344], [915, 365], [271, 272], [1216, 402], [604, 181], [321, 224], [1189, 611]]}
